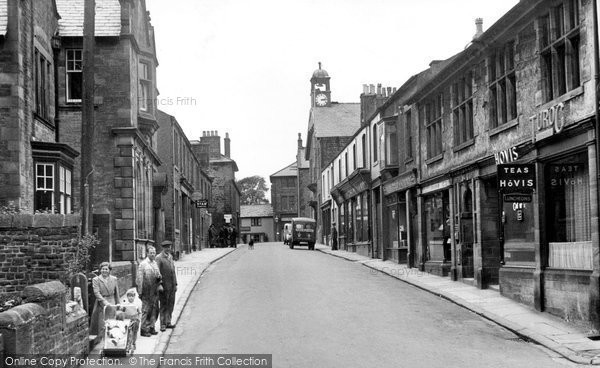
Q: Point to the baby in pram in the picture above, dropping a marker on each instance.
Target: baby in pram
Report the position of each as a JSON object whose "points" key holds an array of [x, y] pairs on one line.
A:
{"points": [[131, 311]]}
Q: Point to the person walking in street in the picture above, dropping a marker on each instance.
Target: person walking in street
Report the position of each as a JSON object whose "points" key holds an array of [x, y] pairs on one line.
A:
{"points": [[149, 285], [166, 267], [334, 238], [212, 235], [251, 244], [106, 291], [233, 237]]}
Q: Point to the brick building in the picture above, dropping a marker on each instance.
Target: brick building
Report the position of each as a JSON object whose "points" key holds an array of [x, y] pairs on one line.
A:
{"points": [[184, 222], [304, 193], [284, 197], [224, 205], [125, 157], [36, 162], [330, 125]]}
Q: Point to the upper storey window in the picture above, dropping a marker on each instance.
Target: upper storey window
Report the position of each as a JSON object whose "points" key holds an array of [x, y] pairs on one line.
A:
{"points": [[145, 87], [432, 115], [503, 96], [559, 49], [74, 75], [462, 109]]}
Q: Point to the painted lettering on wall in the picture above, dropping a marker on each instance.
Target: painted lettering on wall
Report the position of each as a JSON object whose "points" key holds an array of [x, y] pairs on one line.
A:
{"points": [[506, 156], [548, 122]]}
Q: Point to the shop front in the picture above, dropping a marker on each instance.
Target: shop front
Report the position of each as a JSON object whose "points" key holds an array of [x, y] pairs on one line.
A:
{"points": [[400, 219], [436, 250]]}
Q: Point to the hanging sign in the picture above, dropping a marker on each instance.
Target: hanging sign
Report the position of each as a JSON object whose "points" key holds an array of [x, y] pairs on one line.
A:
{"points": [[516, 178]]}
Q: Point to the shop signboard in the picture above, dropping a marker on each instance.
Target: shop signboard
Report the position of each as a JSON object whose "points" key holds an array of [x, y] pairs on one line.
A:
{"points": [[516, 178], [518, 198], [202, 203]]}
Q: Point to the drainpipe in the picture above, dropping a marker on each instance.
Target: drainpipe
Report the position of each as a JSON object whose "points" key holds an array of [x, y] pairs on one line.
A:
{"points": [[595, 277]]}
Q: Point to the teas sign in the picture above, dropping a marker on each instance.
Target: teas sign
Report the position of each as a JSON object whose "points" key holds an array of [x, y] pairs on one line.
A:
{"points": [[516, 178]]}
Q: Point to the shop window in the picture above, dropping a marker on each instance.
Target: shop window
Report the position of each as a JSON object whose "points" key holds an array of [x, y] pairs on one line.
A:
{"points": [[502, 90], [432, 115], [350, 220], [559, 39], [462, 109], [568, 214], [365, 218], [74, 75], [437, 214]]}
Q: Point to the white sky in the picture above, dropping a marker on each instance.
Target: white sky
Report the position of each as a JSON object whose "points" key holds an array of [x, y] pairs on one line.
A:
{"points": [[243, 67]]}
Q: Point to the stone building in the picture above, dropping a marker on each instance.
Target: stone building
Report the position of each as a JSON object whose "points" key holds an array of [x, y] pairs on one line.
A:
{"points": [[36, 161], [330, 125], [495, 180], [224, 205], [304, 193], [284, 197], [185, 221], [125, 158]]}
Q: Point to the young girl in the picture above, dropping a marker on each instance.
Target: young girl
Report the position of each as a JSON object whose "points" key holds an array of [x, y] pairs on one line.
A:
{"points": [[131, 310]]}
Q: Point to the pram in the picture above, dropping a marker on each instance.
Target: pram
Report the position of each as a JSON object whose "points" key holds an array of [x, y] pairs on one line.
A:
{"points": [[119, 330]]}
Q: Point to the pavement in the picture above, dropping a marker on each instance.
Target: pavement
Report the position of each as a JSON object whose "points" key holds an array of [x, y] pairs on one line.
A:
{"points": [[189, 268], [568, 340]]}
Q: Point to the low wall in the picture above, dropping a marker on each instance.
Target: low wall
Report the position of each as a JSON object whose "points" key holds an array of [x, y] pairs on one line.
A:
{"points": [[42, 325], [34, 249]]}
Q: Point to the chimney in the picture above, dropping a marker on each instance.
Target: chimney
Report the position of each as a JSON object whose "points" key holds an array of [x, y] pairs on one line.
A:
{"points": [[389, 91], [227, 143], [371, 89], [213, 140], [299, 140], [478, 28], [365, 89], [378, 88]]}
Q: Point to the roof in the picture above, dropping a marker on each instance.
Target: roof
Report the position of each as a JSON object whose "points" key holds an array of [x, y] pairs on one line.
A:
{"points": [[108, 18], [3, 17], [256, 210], [337, 120], [290, 170]]}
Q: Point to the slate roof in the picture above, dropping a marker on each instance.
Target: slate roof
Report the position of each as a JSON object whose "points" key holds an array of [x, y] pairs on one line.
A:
{"points": [[108, 18], [256, 210], [290, 170], [3, 17], [337, 120]]}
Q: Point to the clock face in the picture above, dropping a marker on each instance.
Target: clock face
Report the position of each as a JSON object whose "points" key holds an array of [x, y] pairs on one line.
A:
{"points": [[321, 99]]}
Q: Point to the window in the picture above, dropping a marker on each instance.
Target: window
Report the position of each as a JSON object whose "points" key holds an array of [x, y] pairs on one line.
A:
{"points": [[559, 45], [462, 109], [408, 134], [364, 150], [255, 221], [340, 169], [391, 143], [53, 188], [346, 162], [432, 115], [503, 96], [354, 156], [44, 187], [375, 138], [568, 220], [74, 75], [145, 88], [42, 67]]}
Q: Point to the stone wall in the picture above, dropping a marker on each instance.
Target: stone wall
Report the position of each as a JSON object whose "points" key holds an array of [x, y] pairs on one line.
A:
{"points": [[42, 325], [35, 248]]}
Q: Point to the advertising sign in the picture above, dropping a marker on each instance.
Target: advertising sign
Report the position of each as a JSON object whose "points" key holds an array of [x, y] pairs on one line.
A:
{"points": [[202, 203], [516, 178]]}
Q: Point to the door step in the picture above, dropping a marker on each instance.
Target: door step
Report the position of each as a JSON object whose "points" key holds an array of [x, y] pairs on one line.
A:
{"points": [[495, 287]]}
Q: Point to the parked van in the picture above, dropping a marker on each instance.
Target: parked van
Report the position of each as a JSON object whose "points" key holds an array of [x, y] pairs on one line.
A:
{"points": [[303, 232], [287, 233]]}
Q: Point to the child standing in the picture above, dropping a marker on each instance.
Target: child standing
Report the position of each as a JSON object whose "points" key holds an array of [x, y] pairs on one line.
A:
{"points": [[131, 310]]}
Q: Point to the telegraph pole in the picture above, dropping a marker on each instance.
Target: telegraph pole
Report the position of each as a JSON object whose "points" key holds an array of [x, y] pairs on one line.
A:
{"points": [[87, 117]]}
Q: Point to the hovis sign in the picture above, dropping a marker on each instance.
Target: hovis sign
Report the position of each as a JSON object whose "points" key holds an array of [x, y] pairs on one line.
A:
{"points": [[516, 178]]}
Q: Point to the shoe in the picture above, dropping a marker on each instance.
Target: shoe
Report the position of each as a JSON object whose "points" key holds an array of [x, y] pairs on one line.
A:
{"points": [[163, 328], [154, 332], [145, 334], [170, 325]]}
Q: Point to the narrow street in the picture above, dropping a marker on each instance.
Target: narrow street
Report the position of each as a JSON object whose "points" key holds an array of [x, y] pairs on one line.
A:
{"points": [[309, 309]]}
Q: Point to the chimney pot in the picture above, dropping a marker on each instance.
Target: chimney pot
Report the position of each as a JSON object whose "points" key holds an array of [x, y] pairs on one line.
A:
{"points": [[389, 91], [365, 89], [378, 88], [478, 27]]}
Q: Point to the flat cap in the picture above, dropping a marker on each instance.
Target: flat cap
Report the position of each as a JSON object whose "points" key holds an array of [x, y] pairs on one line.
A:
{"points": [[166, 243]]}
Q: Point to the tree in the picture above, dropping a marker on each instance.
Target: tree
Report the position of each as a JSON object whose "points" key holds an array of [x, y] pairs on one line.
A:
{"points": [[254, 189]]}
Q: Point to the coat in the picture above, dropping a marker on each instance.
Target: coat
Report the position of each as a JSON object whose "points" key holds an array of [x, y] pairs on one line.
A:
{"points": [[106, 291], [148, 279], [166, 265]]}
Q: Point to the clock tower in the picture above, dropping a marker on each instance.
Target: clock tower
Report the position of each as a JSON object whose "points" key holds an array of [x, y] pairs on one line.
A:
{"points": [[320, 95]]}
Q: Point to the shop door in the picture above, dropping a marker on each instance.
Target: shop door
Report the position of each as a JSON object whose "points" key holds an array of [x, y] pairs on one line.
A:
{"points": [[465, 226]]}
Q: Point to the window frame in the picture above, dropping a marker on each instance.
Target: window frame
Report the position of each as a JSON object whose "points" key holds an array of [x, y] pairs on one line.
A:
{"points": [[432, 115], [502, 85], [461, 97], [72, 71]]}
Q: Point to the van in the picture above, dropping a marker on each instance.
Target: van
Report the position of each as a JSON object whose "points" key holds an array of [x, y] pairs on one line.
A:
{"points": [[287, 233], [303, 232]]}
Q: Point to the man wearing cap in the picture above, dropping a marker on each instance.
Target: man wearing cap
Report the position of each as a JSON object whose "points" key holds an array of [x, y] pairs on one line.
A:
{"points": [[166, 265], [149, 284]]}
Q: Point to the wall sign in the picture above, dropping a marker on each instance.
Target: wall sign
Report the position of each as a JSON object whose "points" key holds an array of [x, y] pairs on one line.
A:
{"points": [[516, 178], [506, 156], [548, 122], [202, 203]]}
